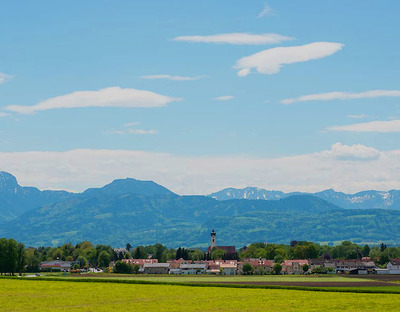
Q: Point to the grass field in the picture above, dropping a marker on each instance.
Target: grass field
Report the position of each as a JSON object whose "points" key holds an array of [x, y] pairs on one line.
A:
{"points": [[36, 295]]}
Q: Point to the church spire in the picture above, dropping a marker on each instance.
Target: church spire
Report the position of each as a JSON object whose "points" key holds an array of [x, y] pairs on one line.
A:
{"points": [[213, 239]]}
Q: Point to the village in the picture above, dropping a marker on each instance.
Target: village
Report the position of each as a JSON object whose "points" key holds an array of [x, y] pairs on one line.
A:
{"points": [[247, 266]]}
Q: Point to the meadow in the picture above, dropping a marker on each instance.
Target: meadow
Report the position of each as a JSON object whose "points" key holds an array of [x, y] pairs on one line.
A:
{"points": [[47, 295]]}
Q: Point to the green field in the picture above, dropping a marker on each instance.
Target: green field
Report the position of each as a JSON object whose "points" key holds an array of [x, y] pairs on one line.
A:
{"points": [[38, 295]]}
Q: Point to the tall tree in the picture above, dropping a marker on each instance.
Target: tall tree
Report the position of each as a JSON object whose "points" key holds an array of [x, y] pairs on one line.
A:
{"points": [[104, 259], [21, 258]]}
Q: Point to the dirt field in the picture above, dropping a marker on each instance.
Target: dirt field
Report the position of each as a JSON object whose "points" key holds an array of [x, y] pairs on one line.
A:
{"points": [[378, 277]]}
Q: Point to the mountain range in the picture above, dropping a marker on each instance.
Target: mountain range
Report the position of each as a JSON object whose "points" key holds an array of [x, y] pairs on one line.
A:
{"points": [[361, 200], [144, 212]]}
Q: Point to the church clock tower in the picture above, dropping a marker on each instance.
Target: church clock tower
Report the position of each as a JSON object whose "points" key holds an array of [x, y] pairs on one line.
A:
{"points": [[213, 239]]}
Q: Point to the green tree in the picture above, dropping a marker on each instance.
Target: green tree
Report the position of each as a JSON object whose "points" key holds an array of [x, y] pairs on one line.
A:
{"points": [[278, 259], [57, 254], [32, 260], [11, 255], [311, 251], [217, 254], [139, 253], [136, 268], [21, 258], [247, 269], [122, 267], [305, 267], [277, 268], [104, 259], [3, 250], [82, 262], [366, 250], [159, 252]]}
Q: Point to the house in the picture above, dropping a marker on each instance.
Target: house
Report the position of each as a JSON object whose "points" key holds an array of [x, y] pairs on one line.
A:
{"points": [[354, 266], [394, 266], [55, 265], [316, 263], [228, 268], [140, 262], [293, 266], [175, 264], [156, 268], [193, 268], [260, 265]]}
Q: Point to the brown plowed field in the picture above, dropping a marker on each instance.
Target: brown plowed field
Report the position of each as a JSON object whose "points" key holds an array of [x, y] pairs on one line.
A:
{"points": [[378, 277]]}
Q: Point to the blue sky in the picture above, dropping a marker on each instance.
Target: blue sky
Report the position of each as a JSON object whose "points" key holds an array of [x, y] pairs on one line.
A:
{"points": [[52, 50]]}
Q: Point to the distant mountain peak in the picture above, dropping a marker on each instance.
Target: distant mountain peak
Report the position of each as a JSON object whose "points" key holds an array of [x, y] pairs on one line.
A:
{"points": [[7, 181], [362, 200], [130, 186]]}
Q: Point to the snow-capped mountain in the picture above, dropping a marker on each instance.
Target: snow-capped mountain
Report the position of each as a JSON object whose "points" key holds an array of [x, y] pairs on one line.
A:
{"points": [[362, 200]]}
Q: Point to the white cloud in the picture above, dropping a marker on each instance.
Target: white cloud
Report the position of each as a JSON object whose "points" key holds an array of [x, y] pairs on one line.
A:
{"points": [[372, 126], [108, 97], [224, 98], [270, 61], [343, 96], [3, 114], [360, 116], [351, 152], [4, 78], [344, 168], [266, 11], [141, 131], [237, 38], [170, 77]]}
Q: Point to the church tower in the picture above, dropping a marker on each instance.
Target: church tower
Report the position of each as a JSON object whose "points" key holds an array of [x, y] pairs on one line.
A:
{"points": [[213, 241]]}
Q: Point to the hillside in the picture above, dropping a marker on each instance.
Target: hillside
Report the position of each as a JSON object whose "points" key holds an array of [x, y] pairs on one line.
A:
{"points": [[16, 199], [186, 221]]}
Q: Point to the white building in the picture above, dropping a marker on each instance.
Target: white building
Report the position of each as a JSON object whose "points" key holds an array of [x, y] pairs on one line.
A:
{"points": [[196, 268], [394, 266]]}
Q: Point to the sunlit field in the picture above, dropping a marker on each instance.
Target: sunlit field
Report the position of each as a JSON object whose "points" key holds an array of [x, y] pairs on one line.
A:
{"points": [[23, 295]]}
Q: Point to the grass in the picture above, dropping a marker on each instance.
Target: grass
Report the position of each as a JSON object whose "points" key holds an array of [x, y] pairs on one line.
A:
{"points": [[39, 295]]}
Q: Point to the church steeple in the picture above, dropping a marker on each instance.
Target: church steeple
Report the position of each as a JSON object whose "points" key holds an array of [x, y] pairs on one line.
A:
{"points": [[213, 239]]}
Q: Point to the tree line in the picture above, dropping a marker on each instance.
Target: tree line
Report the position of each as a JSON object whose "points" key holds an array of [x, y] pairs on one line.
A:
{"points": [[15, 258]]}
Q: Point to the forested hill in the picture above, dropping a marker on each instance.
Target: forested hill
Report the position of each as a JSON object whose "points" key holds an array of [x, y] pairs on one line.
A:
{"points": [[144, 212], [187, 220]]}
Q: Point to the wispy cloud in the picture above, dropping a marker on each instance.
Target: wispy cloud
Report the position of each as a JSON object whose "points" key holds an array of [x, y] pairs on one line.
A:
{"points": [[131, 124], [3, 114], [360, 116], [348, 168], [128, 130], [372, 126], [108, 97], [170, 77], [237, 38], [330, 96], [141, 131], [224, 98], [5, 77], [265, 11], [270, 61]]}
